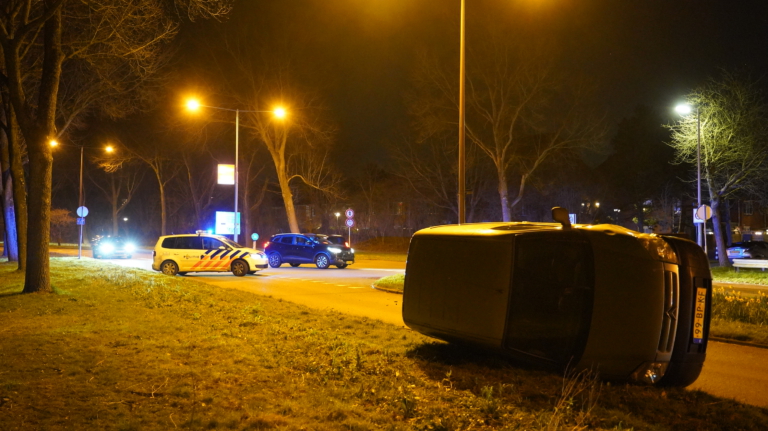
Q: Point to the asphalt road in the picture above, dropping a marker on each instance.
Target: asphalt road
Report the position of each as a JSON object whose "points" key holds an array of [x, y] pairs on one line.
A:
{"points": [[730, 371]]}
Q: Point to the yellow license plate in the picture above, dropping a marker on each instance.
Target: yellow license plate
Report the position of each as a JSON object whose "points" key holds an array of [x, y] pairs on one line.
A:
{"points": [[698, 315]]}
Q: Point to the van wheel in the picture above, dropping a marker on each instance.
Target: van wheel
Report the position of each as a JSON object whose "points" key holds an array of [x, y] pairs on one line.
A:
{"points": [[341, 265], [274, 260], [322, 261], [169, 267], [240, 267], [295, 264]]}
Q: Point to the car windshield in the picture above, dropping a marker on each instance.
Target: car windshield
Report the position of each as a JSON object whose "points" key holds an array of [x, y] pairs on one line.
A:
{"points": [[229, 242]]}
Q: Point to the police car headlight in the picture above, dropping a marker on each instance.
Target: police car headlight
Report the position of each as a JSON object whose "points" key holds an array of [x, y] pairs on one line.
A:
{"points": [[130, 247], [107, 248], [334, 250]]}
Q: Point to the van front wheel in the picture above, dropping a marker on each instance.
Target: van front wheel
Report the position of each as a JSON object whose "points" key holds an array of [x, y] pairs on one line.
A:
{"points": [[240, 268]]}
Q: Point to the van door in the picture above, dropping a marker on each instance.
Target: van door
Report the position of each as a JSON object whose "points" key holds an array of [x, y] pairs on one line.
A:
{"points": [[189, 252]]}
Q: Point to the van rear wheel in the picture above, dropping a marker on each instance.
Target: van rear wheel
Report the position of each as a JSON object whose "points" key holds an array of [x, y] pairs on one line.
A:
{"points": [[169, 267]]}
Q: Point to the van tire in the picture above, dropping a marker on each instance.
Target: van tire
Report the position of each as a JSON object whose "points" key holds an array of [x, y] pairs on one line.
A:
{"points": [[169, 267], [240, 268]]}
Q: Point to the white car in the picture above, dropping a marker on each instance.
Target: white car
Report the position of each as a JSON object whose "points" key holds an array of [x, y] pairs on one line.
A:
{"points": [[203, 252]]}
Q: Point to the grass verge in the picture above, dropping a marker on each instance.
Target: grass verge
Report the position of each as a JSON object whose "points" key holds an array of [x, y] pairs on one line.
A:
{"points": [[391, 283], [125, 349], [745, 275]]}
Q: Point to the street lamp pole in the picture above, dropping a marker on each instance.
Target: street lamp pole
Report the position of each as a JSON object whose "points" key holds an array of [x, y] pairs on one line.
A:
{"points": [[462, 167], [80, 204], [702, 229], [237, 155]]}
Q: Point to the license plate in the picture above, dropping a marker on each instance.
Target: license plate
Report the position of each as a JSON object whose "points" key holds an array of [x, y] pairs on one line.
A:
{"points": [[698, 315]]}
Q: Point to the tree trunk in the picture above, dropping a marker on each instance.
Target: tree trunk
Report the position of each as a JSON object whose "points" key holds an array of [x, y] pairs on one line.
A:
{"points": [[640, 217], [285, 190], [727, 220], [722, 256], [19, 188], [504, 195], [11, 243], [38, 272]]}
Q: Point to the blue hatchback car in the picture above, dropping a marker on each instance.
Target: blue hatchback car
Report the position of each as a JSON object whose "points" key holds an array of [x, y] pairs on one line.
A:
{"points": [[296, 248]]}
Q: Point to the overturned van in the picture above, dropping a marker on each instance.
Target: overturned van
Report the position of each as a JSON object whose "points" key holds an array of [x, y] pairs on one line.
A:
{"points": [[632, 306]]}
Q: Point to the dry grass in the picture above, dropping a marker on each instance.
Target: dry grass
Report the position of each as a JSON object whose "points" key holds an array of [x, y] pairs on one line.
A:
{"points": [[124, 349]]}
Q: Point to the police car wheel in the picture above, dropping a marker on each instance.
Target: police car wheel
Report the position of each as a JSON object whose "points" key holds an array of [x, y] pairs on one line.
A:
{"points": [[169, 267], [322, 261], [239, 268], [274, 260]]}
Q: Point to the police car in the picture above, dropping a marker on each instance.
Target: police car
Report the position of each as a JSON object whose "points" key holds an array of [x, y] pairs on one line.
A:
{"points": [[203, 252]]}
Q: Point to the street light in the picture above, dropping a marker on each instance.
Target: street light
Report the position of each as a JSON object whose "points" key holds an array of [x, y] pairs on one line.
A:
{"points": [[278, 112], [80, 198], [685, 109], [337, 222]]}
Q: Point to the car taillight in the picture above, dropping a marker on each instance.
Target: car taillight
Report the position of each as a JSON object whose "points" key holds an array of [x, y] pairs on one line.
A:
{"points": [[346, 243], [266, 244]]}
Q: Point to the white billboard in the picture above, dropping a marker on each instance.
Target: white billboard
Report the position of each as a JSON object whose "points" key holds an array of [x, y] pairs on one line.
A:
{"points": [[227, 174], [225, 223]]}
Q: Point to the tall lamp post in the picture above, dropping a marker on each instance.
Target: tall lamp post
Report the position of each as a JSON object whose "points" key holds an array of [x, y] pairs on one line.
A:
{"points": [[462, 167], [279, 112], [685, 109]]}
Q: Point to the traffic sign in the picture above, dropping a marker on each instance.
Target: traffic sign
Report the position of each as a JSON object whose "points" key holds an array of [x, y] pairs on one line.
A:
{"points": [[254, 236], [349, 213], [82, 211], [703, 213], [80, 221], [350, 222]]}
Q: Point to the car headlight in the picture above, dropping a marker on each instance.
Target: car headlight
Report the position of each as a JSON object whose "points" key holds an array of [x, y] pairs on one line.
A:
{"points": [[334, 250], [107, 248], [352, 250], [130, 247], [650, 372]]}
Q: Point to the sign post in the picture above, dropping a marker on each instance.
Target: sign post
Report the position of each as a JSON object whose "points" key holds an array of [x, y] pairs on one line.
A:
{"points": [[700, 216], [81, 213], [350, 222]]}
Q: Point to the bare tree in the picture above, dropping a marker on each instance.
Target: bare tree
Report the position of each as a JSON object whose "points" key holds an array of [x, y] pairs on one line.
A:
{"points": [[521, 110], [155, 152], [45, 33], [119, 191], [734, 141], [61, 219], [429, 165]]}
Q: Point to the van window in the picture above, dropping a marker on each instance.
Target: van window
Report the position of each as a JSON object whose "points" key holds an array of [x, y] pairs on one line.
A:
{"points": [[188, 243], [212, 243], [551, 300]]}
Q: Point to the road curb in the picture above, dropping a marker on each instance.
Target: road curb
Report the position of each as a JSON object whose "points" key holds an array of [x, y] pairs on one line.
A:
{"points": [[740, 343], [384, 289]]}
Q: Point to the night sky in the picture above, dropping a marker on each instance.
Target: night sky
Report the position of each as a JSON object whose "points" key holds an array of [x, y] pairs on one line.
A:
{"points": [[359, 53]]}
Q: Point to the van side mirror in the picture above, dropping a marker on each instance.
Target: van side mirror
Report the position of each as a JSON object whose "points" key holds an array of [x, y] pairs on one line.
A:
{"points": [[560, 215]]}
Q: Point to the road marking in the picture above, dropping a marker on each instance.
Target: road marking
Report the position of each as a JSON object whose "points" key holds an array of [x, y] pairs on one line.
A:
{"points": [[356, 287]]}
